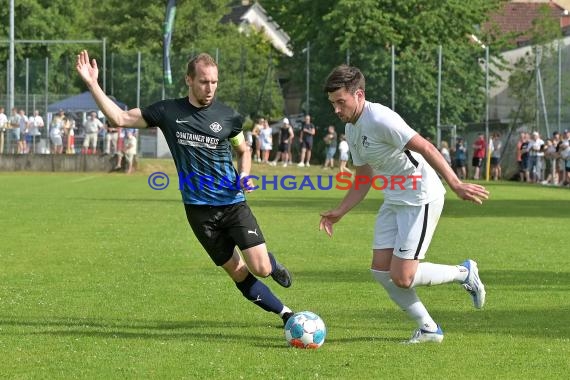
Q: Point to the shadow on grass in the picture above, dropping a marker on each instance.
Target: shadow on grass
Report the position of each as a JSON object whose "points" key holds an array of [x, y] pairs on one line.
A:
{"points": [[125, 200], [365, 326], [136, 329], [192, 330], [454, 208], [519, 303], [532, 280], [522, 280], [528, 323]]}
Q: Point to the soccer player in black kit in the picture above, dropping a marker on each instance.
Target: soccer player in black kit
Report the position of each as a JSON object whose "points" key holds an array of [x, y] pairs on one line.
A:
{"points": [[201, 132]]}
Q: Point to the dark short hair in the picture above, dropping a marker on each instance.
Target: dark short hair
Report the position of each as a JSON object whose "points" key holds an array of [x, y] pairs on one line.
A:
{"points": [[200, 58], [344, 76]]}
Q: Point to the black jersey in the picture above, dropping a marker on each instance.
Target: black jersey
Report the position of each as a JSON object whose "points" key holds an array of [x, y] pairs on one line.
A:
{"points": [[198, 139]]}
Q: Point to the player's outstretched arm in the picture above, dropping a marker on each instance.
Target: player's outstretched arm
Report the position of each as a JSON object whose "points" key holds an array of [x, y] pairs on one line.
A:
{"points": [[466, 191], [89, 73]]}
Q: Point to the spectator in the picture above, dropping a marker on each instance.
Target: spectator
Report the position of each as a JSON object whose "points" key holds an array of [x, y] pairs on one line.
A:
{"points": [[461, 159], [445, 152], [266, 140], [496, 146], [562, 162], [69, 134], [308, 130], [56, 131], [285, 138], [289, 160], [558, 165], [523, 148], [536, 157], [129, 152], [111, 139], [14, 136], [550, 163], [343, 150], [565, 155], [35, 123], [256, 131], [3, 126], [330, 140], [3, 118], [92, 127], [478, 155], [23, 144]]}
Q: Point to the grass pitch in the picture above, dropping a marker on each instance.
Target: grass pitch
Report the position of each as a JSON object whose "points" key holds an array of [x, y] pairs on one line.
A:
{"points": [[101, 277]]}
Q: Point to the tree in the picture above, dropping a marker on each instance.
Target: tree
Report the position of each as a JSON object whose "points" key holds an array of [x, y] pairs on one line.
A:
{"points": [[545, 34], [240, 56], [43, 20], [129, 29], [365, 31]]}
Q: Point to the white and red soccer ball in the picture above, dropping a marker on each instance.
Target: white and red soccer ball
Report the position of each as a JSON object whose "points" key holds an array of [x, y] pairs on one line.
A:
{"points": [[305, 330]]}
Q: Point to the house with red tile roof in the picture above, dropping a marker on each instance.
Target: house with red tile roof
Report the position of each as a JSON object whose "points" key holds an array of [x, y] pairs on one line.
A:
{"points": [[517, 16]]}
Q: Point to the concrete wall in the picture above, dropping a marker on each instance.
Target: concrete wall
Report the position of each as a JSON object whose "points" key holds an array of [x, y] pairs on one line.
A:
{"points": [[55, 163]]}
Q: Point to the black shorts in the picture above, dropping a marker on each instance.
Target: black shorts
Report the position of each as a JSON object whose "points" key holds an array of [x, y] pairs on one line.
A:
{"points": [[494, 161], [523, 164], [307, 144], [220, 228], [476, 162], [284, 147]]}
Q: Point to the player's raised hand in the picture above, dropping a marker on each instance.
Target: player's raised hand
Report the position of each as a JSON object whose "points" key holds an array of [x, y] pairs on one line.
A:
{"points": [[88, 71], [472, 192]]}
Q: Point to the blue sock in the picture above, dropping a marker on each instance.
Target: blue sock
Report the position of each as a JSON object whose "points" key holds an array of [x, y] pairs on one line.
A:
{"points": [[256, 291]]}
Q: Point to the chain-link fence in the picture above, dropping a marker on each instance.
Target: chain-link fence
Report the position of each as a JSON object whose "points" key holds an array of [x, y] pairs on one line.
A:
{"points": [[532, 94]]}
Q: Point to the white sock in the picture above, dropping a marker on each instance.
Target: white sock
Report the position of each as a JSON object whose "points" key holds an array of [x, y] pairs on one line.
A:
{"points": [[285, 310], [436, 274], [408, 301]]}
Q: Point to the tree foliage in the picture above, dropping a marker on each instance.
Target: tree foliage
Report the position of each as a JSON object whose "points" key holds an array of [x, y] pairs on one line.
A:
{"points": [[542, 60], [363, 33], [247, 62]]}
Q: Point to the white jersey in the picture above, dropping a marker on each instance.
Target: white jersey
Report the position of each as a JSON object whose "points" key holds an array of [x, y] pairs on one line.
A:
{"points": [[378, 138], [343, 147]]}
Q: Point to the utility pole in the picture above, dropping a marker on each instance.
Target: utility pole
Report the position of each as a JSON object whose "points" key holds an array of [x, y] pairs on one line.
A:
{"points": [[11, 59]]}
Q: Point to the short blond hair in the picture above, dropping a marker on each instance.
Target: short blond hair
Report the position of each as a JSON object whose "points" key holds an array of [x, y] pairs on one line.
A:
{"points": [[200, 58]]}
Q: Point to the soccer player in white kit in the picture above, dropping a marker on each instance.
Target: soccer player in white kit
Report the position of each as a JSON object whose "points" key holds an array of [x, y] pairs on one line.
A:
{"points": [[389, 155]]}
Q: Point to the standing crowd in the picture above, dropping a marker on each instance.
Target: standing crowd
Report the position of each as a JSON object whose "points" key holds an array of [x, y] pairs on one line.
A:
{"points": [[542, 161], [545, 162], [22, 134], [260, 141]]}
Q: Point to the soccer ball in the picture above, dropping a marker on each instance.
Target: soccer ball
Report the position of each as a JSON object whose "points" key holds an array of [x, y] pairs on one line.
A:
{"points": [[305, 330]]}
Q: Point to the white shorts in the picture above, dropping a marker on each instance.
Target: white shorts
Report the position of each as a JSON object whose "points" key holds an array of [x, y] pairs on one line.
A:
{"points": [[90, 140], [56, 140], [407, 229]]}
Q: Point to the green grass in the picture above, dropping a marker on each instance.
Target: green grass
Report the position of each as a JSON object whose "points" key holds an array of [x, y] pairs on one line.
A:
{"points": [[101, 277]]}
